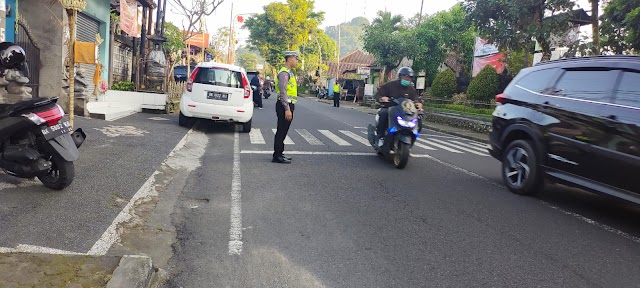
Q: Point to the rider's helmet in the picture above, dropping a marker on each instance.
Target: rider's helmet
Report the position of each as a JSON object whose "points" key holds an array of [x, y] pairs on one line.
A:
{"points": [[268, 78], [405, 71], [12, 57]]}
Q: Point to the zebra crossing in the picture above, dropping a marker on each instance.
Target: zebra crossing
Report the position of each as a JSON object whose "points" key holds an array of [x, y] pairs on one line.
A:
{"points": [[348, 138]]}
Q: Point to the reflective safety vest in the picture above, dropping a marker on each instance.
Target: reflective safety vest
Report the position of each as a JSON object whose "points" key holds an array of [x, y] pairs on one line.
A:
{"points": [[292, 86], [336, 88]]}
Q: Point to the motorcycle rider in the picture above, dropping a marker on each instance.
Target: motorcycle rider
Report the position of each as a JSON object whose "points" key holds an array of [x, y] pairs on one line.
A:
{"points": [[402, 87]]}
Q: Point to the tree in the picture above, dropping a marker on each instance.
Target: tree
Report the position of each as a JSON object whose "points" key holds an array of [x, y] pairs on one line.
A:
{"points": [[444, 86], [248, 61], [282, 27], [386, 39], [192, 13], [349, 34], [220, 44], [484, 86], [174, 39], [621, 26], [511, 24]]}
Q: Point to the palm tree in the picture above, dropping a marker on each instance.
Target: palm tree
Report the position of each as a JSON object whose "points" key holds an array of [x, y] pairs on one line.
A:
{"points": [[388, 21]]}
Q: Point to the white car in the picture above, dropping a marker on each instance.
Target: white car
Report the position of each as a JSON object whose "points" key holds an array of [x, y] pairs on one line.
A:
{"points": [[218, 92]]}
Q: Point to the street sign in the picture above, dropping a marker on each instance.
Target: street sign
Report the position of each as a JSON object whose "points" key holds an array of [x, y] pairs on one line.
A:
{"points": [[259, 66], [420, 83], [364, 71], [368, 89]]}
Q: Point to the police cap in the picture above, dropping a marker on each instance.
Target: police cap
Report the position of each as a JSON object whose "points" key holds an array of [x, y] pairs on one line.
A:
{"points": [[288, 54]]}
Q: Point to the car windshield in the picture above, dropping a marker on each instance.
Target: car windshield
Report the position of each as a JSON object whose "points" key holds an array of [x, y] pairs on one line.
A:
{"points": [[218, 77]]}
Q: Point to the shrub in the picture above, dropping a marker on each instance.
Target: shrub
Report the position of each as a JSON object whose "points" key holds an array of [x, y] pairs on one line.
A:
{"points": [[484, 86], [444, 85], [460, 98], [123, 86]]}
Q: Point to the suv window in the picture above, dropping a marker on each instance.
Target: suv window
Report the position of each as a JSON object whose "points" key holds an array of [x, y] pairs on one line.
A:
{"points": [[593, 85], [628, 92], [537, 80], [219, 77]]}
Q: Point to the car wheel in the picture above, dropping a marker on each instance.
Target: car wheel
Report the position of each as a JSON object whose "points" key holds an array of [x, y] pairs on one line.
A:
{"points": [[184, 121], [520, 170], [246, 127]]}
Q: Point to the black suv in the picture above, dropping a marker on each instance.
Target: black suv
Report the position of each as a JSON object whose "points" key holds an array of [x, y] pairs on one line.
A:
{"points": [[572, 121]]}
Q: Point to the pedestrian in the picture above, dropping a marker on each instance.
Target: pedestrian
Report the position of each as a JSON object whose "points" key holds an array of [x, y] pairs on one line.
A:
{"points": [[256, 86], [287, 89], [336, 95]]}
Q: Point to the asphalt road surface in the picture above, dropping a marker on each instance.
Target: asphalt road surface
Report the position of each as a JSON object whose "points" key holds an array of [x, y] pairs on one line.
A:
{"points": [[340, 216]]}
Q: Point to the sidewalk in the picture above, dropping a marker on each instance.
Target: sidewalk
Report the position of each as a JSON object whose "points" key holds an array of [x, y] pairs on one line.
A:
{"points": [[464, 133]]}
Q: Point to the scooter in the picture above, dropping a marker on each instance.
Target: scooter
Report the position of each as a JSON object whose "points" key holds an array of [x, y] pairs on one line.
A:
{"points": [[34, 137], [402, 132], [266, 92]]}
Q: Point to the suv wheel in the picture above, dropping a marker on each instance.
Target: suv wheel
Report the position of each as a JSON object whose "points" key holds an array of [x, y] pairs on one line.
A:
{"points": [[246, 127], [520, 171]]}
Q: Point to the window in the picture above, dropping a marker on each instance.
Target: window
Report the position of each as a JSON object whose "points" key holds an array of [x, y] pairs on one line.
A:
{"points": [[628, 92], [537, 80], [593, 85], [218, 77]]}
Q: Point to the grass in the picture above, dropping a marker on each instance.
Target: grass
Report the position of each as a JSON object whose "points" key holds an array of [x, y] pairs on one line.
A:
{"points": [[461, 109]]}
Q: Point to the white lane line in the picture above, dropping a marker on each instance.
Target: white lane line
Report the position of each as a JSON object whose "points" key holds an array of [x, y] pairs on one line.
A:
{"points": [[256, 136], [287, 140], [235, 230], [111, 235], [423, 146], [311, 153], [356, 137], [460, 148], [439, 146], [309, 137], [335, 138], [23, 248], [481, 149], [481, 145]]}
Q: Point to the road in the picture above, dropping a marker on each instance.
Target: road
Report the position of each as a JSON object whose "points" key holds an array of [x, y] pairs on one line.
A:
{"points": [[339, 216], [213, 211]]}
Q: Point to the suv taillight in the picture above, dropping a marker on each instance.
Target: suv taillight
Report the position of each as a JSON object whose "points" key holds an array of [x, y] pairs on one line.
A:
{"points": [[501, 98], [192, 78], [245, 84]]}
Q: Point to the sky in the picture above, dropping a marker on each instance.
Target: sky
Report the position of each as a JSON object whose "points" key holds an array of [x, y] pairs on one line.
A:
{"points": [[336, 11]]}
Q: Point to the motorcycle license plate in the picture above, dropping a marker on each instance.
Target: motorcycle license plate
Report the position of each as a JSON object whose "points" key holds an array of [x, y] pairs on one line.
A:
{"points": [[54, 131]]}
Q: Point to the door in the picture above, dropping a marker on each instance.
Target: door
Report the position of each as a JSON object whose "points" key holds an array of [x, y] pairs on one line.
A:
{"points": [[220, 86], [578, 100], [87, 29]]}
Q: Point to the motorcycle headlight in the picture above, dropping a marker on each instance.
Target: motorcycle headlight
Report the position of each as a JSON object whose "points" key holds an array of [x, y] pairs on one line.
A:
{"points": [[408, 124]]}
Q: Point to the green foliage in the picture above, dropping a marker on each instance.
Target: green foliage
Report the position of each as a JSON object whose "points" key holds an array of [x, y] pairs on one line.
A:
{"points": [[620, 27], [282, 27], [248, 61], [484, 86], [123, 86], [174, 38], [349, 34], [460, 108], [515, 61], [511, 24], [387, 40], [444, 85]]}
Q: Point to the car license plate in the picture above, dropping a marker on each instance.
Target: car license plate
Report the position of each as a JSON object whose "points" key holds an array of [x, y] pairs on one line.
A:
{"points": [[217, 96], [54, 131]]}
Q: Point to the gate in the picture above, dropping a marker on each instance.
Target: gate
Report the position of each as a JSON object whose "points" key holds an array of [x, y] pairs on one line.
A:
{"points": [[30, 46]]}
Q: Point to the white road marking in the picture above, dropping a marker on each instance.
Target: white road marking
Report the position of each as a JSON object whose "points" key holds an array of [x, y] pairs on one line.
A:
{"points": [[439, 146], [422, 146], [158, 119], [358, 138], [309, 137], [287, 140], [22, 248], [256, 136], [481, 149], [311, 153], [235, 231], [481, 145], [460, 148], [189, 160], [335, 138]]}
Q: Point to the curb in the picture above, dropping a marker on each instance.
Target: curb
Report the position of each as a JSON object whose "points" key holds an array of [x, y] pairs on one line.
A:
{"points": [[133, 271]]}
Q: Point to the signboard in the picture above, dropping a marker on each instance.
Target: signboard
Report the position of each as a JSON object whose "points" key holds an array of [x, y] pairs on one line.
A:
{"points": [[368, 89], [364, 71], [420, 83], [129, 17], [483, 48], [486, 54], [197, 39], [259, 66]]}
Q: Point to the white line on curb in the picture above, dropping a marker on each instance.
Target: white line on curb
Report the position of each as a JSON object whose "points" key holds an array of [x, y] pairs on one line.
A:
{"points": [[235, 231]]}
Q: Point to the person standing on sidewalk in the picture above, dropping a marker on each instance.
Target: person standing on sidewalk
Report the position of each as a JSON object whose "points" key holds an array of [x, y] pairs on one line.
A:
{"points": [[256, 85], [287, 89], [336, 95]]}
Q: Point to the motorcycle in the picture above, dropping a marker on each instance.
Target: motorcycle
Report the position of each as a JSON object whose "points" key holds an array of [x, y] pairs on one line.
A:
{"points": [[35, 140], [402, 132], [266, 92]]}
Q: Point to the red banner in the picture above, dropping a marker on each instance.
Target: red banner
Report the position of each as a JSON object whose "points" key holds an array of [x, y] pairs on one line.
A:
{"points": [[495, 60], [129, 17]]}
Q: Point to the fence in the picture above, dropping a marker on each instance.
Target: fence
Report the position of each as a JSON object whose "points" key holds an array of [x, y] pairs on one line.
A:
{"points": [[174, 92]]}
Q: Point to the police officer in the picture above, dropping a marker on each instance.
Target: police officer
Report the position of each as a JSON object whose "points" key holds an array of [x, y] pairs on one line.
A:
{"points": [[287, 89], [336, 95]]}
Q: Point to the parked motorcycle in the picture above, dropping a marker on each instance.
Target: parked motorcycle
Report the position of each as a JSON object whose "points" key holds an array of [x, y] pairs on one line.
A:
{"points": [[402, 132], [34, 137]]}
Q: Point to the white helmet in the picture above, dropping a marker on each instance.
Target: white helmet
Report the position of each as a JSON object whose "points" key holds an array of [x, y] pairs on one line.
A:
{"points": [[268, 78]]}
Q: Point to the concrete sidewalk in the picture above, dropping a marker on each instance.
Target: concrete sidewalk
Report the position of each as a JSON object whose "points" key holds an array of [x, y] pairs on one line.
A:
{"points": [[464, 133]]}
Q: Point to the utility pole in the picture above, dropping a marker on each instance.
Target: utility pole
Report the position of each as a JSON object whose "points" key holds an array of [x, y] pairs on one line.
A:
{"points": [[230, 32], [420, 16]]}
